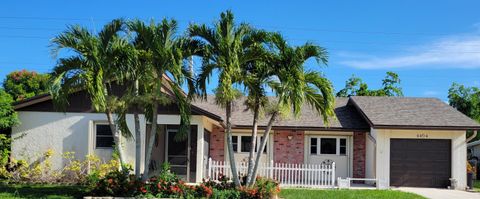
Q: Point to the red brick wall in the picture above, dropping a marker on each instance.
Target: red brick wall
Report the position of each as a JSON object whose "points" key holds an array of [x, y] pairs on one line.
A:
{"points": [[359, 151], [288, 151], [217, 144]]}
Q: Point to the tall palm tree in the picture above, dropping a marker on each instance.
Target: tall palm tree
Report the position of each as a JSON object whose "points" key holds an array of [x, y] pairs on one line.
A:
{"points": [[256, 76], [295, 86], [225, 48], [167, 53], [93, 66]]}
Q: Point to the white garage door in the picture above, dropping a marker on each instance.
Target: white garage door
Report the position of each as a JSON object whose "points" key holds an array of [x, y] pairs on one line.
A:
{"points": [[326, 149]]}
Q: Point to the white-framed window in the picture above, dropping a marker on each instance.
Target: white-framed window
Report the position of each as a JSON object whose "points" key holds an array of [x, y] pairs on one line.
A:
{"points": [[103, 136], [242, 143], [328, 146]]}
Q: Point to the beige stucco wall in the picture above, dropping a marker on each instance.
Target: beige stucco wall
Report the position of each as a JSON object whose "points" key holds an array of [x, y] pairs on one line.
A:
{"points": [[382, 154], [370, 157]]}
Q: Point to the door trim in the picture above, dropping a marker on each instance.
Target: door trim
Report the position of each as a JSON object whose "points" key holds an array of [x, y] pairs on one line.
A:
{"points": [[168, 131]]}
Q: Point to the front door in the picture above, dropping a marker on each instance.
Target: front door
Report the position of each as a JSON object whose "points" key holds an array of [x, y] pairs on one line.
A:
{"points": [[328, 149], [177, 153]]}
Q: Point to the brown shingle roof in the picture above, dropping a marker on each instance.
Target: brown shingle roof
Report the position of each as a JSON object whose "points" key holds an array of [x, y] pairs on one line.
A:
{"points": [[347, 116], [412, 112]]}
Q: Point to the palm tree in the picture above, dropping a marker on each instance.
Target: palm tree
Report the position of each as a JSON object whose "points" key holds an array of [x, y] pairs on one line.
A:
{"points": [[167, 53], [93, 66], [225, 48], [256, 76], [294, 86]]}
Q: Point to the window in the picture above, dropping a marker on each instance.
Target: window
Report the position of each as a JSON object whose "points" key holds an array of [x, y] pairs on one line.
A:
{"points": [[343, 146], [313, 145], [242, 143], [246, 143], [235, 143], [328, 146], [104, 137]]}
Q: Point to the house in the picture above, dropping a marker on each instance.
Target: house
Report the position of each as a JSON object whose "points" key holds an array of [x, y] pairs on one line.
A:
{"points": [[401, 141]]}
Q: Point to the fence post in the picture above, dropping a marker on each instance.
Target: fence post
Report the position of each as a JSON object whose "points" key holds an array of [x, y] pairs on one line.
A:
{"points": [[333, 174], [209, 168], [271, 169]]}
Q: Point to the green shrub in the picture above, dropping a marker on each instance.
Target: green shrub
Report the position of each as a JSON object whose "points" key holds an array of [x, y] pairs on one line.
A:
{"points": [[116, 183], [227, 193]]}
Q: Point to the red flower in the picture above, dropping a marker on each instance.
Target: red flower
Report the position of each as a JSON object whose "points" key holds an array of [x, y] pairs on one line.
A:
{"points": [[143, 190]]}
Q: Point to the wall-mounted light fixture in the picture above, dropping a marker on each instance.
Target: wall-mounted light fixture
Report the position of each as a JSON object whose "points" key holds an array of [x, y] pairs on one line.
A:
{"points": [[290, 137]]}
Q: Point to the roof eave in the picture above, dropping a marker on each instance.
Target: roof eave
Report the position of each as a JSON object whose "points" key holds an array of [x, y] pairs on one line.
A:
{"points": [[409, 127], [304, 128]]}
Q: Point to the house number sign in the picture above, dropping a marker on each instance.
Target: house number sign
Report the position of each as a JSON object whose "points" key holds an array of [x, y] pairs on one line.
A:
{"points": [[422, 135]]}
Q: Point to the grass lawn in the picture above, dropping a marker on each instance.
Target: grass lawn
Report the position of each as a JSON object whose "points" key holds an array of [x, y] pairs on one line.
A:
{"points": [[364, 194], [41, 191], [476, 185]]}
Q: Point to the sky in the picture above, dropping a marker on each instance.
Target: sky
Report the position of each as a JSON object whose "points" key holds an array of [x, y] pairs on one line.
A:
{"points": [[430, 44]]}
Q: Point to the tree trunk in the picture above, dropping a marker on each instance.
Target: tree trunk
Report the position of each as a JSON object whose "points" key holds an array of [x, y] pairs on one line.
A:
{"points": [[138, 141], [116, 138], [151, 141], [114, 129], [231, 156], [263, 145], [253, 143]]}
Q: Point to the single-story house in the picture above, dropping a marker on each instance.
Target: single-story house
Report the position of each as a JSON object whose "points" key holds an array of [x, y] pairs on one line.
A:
{"points": [[401, 141]]}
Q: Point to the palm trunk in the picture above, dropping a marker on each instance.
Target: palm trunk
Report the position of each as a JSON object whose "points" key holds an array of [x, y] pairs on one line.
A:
{"points": [[116, 138], [263, 145], [231, 157], [138, 141], [151, 141], [253, 144], [114, 129]]}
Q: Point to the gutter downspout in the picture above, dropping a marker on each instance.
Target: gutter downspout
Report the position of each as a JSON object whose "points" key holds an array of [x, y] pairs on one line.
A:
{"points": [[471, 137], [374, 154]]}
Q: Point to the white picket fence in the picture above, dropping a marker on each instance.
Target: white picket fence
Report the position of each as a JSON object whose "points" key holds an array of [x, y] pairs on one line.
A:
{"points": [[289, 175]]}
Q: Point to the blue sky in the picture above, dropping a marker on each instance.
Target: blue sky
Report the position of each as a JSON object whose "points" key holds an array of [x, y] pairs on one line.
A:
{"points": [[430, 44]]}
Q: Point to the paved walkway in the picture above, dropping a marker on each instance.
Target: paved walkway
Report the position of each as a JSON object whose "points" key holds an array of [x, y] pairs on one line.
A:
{"points": [[440, 193]]}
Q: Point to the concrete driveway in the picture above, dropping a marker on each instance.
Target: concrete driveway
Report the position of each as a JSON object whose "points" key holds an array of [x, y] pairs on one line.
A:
{"points": [[440, 193]]}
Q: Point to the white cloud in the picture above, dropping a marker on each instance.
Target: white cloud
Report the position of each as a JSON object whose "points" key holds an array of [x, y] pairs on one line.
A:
{"points": [[460, 51]]}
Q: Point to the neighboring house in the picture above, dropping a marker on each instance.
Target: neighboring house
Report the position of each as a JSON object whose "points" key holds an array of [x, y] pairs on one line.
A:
{"points": [[400, 141], [474, 150]]}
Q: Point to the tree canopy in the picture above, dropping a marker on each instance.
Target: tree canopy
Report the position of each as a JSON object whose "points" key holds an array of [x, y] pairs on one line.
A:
{"points": [[8, 117], [356, 87], [466, 100], [24, 84]]}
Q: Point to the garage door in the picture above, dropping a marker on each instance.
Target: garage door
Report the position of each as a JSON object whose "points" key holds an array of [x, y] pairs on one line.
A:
{"points": [[420, 162]]}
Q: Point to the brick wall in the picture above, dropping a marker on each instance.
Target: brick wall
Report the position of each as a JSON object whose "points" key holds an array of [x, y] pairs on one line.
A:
{"points": [[217, 144], [288, 151], [359, 151]]}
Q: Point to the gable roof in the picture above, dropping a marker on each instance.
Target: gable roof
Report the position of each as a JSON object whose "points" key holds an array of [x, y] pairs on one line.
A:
{"points": [[347, 117], [411, 112]]}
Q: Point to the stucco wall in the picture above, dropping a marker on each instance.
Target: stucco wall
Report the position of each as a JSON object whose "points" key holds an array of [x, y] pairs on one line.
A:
{"points": [[459, 159], [62, 132], [370, 157], [65, 132]]}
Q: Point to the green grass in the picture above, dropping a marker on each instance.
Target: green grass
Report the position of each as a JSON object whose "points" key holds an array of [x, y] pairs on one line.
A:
{"points": [[363, 194], [476, 185], [41, 191]]}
